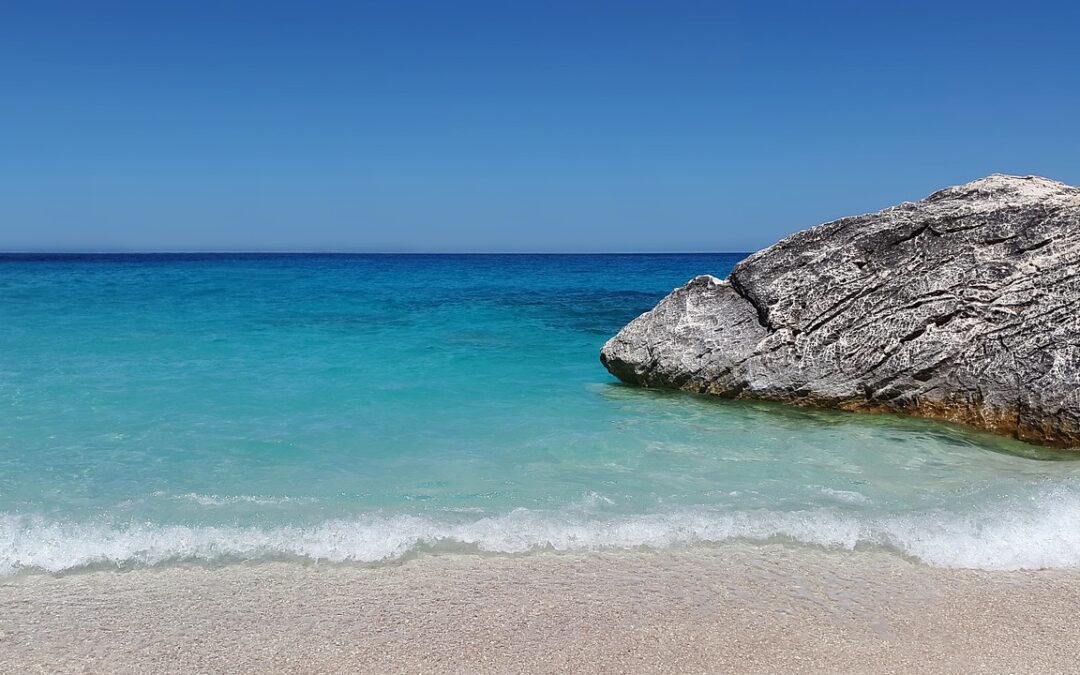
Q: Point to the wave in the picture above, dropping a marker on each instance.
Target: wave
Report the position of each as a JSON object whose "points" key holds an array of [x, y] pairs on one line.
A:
{"points": [[228, 500], [1025, 532]]}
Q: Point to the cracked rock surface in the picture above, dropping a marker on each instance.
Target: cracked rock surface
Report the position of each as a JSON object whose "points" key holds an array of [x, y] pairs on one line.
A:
{"points": [[964, 306]]}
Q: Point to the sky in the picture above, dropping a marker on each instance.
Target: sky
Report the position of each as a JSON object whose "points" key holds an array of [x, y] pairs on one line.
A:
{"points": [[512, 126]]}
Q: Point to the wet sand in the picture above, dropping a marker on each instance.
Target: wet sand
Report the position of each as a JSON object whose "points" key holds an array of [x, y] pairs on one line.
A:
{"points": [[732, 609]]}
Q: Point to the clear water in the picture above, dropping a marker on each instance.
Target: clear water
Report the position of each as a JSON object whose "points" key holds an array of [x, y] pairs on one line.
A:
{"points": [[218, 408]]}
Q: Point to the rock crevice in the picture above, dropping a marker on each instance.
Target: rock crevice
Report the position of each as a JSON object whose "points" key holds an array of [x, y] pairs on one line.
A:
{"points": [[964, 306]]}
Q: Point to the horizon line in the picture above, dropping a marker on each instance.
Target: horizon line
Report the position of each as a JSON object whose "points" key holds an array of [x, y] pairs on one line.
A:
{"points": [[333, 252]]}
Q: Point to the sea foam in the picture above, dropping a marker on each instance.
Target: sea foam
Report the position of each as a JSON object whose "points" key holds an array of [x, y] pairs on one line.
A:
{"points": [[1032, 532]]}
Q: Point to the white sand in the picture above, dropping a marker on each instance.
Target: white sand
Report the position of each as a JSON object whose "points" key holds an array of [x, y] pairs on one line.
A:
{"points": [[738, 609]]}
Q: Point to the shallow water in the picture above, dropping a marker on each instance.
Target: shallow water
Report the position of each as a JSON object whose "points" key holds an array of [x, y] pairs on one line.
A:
{"points": [[361, 407]]}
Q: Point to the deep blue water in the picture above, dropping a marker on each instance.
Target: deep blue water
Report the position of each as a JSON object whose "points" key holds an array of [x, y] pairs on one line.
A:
{"points": [[352, 407]]}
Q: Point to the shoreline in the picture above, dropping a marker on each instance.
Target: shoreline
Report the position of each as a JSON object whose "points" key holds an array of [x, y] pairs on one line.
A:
{"points": [[733, 608]]}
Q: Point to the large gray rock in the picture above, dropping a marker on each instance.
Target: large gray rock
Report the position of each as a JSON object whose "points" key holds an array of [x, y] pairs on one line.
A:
{"points": [[964, 306]]}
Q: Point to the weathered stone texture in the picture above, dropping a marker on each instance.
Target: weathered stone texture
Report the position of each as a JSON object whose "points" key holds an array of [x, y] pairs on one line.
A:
{"points": [[964, 306]]}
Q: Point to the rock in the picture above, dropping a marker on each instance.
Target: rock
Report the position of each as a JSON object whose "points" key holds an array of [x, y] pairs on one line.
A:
{"points": [[964, 306]]}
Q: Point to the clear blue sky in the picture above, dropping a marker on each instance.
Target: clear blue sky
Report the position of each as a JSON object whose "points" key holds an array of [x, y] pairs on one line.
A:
{"points": [[512, 126]]}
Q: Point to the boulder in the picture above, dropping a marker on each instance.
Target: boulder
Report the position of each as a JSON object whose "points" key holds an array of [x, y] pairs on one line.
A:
{"points": [[964, 306]]}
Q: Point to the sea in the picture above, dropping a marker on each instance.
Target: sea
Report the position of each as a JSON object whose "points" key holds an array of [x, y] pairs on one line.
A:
{"points": [[227, 408]]}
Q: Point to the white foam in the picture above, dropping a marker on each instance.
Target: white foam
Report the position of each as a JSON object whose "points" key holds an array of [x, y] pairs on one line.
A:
{"points": [[227, 500], [848, 496], [1037, 531]]}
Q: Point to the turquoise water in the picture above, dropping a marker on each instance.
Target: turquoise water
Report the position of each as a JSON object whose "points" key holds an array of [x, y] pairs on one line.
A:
{"points": [[220, 408]]}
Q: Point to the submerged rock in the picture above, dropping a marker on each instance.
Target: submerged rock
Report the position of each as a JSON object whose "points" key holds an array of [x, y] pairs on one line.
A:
{"points": [[964, 306]]}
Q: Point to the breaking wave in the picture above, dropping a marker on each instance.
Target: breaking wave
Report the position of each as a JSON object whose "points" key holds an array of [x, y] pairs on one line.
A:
{"points": [[1034, 531]]}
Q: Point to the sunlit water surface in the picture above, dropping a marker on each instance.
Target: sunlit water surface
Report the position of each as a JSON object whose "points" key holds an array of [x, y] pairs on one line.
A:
{"points": [[175, 408]]}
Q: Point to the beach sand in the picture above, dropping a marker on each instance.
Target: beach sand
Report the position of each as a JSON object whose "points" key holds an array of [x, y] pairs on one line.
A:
{"points": [[730, 609]]}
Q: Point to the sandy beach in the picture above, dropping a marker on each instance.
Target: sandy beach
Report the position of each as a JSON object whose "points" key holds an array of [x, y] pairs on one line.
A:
{"points": [[731, 609]]}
